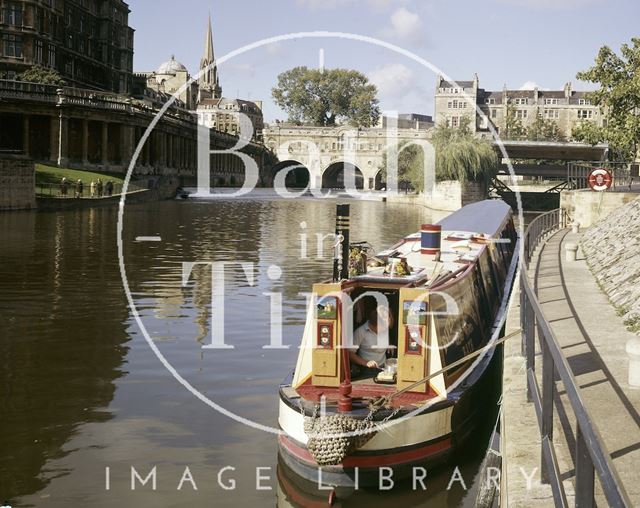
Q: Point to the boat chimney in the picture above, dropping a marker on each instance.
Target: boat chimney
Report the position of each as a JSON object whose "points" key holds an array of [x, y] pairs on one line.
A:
{"points": [[341, 254], [430, 238]]}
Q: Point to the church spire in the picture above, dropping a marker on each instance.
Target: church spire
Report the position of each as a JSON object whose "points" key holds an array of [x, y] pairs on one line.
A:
{"points": [[208, 43], [209, 82]]}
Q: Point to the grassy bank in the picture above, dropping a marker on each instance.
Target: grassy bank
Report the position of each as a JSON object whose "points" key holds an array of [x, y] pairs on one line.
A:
{"points": [[53, 175]]}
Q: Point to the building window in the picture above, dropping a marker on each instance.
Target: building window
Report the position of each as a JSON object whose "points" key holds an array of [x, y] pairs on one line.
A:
{"points": [[12, 45], [584, 102], [494, 113], [453, 121], [489, 101], [585, 113], [52, 55], [550, 102], [39, 51], [521, 113], [521, 101], [13, 14], [551, 113]]}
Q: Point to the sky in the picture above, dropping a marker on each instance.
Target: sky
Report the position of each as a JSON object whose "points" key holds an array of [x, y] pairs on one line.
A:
{"points": [[520, 43]]}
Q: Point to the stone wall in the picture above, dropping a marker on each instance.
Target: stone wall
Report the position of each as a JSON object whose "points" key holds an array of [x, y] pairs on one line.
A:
{"points": [[448, 195], [589, 207], [17, 183], [611, 248]]}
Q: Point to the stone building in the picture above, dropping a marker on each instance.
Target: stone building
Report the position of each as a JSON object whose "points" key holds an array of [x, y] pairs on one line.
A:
{"points": [[567, 107], [89, 42], [407, 121], [209, 83], [224, 115], [169, 78]]}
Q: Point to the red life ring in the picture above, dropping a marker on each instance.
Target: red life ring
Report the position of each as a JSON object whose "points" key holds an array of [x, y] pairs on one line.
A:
{"points": [[600, 179]]}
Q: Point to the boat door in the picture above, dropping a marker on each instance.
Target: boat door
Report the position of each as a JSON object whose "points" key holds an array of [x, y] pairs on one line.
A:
{"points": [[327, 354], [413, 338]]}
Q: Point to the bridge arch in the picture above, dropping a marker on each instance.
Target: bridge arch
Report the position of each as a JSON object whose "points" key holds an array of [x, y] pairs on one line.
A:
{"points": [[333, 177], [298, 174]]}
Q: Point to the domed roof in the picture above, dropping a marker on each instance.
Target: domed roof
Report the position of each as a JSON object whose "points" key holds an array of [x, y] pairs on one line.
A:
{"points": [[171, 67]]}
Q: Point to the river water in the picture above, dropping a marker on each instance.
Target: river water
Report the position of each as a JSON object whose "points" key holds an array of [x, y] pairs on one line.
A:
{"points": [[84, 399]]}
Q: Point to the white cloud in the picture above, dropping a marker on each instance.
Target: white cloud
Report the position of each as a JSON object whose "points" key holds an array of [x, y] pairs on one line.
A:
{"points": [[393, 80], [399, 89], [405, 26], [530, 85], [332, 4]]}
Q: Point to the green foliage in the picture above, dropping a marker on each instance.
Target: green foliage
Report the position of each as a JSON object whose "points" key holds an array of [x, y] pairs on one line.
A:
{"points": [[326, 97], [588, 132], [514, 129], [410, 166], [460, 155], [619, 95], [42, 76], [544, 130]]}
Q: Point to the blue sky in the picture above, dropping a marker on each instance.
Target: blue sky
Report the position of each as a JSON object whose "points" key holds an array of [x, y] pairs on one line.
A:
{"points": [[517, 42]]}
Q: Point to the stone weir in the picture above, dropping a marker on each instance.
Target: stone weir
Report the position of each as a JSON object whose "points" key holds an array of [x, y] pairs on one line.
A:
{"points": [[612, 249]]}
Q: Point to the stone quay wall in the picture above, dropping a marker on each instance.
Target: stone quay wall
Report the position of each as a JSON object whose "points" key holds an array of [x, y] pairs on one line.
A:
{"points": [[447, 195], [612, 250], [17, 183], [589, 207]]}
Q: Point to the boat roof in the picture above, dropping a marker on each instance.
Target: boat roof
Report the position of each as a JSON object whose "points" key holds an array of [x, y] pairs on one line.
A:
{"points": [[483, 217], [465, 234]]}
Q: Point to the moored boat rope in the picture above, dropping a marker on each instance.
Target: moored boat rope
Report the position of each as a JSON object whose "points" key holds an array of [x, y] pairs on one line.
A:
{"points": [[332, 438]]}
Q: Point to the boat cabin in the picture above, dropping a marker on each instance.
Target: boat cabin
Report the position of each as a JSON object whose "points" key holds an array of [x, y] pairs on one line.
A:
{"points": [[441, 286]]}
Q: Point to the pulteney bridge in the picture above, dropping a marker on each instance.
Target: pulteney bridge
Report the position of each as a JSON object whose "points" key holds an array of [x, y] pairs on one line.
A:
{"points": [[319, 156]]}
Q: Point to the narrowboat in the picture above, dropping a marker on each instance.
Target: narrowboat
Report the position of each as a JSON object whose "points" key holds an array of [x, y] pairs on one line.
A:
{"points": [[436, 302]]}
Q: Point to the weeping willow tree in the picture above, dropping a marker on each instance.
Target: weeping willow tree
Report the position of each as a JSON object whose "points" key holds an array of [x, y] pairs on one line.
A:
{"points": [[462, 156]]}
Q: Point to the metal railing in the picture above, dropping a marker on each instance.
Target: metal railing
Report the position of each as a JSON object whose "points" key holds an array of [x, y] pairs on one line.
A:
{"points": [[56, 190], [591, 457], [624, 175]]}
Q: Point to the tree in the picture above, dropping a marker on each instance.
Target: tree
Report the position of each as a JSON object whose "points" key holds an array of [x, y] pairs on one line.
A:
{"points": [[543, 130], [460, 155], [324, 97], [588, 132], [410, 166], [513, 125], [619, 96], [42, 76]]}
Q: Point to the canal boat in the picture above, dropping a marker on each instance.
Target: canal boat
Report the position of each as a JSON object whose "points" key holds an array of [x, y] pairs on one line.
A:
{"points": [[446, 289]]}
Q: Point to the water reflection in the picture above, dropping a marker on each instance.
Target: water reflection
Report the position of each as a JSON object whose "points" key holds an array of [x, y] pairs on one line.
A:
{"points": [[81, 391]]}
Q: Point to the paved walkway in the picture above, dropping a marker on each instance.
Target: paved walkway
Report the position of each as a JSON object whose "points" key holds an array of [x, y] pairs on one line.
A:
{"points": [[593, 338], [521, 487]]}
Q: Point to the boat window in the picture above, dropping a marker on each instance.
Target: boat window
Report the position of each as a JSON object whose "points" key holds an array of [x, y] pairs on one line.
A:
{"points": [[459, 333]]}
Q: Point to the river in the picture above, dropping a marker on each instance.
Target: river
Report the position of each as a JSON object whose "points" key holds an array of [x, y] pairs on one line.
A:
{"points": [[84, 399]]}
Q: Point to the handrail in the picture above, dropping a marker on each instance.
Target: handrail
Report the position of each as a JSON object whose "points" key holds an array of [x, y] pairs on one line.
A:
{"points": [[591, 455]]}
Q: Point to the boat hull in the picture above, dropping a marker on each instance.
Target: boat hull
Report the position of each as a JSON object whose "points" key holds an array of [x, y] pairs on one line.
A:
{"points": [[425, 440]]}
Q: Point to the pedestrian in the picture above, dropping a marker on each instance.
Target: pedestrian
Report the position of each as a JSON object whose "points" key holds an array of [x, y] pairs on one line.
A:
{"points": [[63, 187], [92, 189], [79, 188], [99, 188], [109, 188]]}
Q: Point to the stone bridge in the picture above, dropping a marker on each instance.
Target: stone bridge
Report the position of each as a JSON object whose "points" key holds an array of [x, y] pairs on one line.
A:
{"points": [[319, 156]]}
